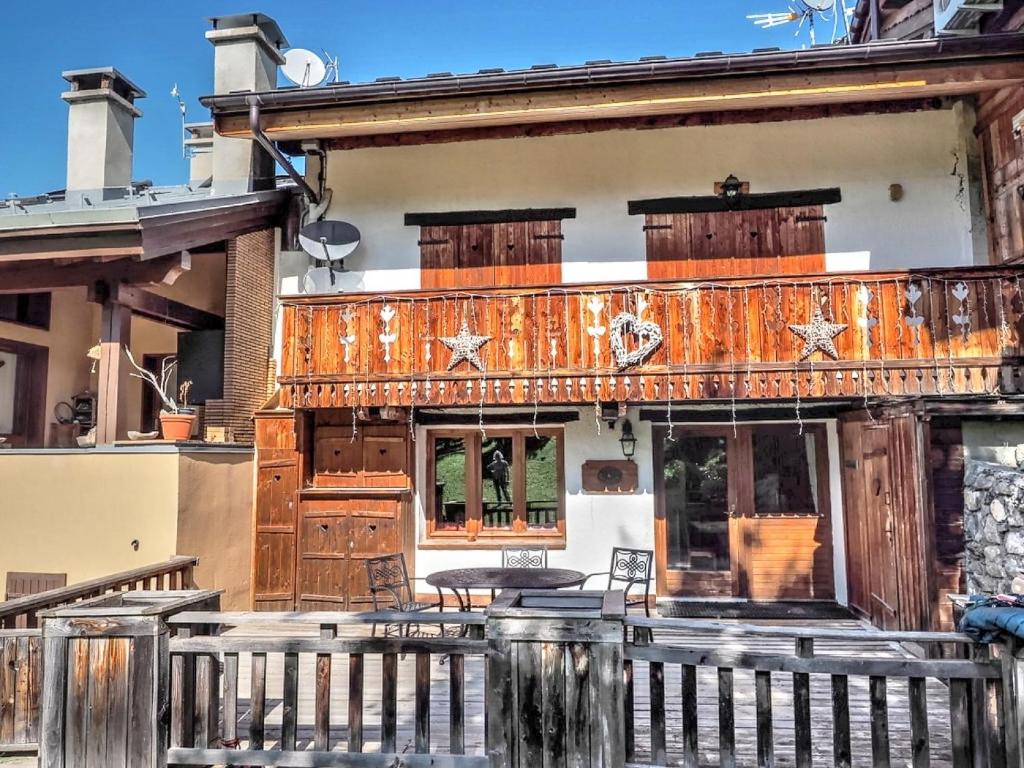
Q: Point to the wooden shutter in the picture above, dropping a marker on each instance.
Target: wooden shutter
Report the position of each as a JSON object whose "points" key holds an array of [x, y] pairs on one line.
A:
{"points": [[22, 584], [488, 255], [735, 243]]}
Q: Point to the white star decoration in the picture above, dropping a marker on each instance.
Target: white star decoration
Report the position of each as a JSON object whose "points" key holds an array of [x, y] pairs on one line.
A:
{"points": [[818, 334], [466, 347]]}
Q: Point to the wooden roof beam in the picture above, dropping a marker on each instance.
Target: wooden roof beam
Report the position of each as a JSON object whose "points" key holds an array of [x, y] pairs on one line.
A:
{"points": [[34, 276], [152, 306]]}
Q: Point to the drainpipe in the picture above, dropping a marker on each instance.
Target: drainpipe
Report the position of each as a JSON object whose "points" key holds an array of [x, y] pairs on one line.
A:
{"points": [[271, 148]]}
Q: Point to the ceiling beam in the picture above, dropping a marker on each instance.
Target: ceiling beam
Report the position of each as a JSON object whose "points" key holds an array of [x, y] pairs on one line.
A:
{"points": [[158, 308], [19, 277]]}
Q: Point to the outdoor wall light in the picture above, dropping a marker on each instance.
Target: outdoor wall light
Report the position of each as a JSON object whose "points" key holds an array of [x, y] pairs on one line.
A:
{"points": [[732, 188], [628, 440]]}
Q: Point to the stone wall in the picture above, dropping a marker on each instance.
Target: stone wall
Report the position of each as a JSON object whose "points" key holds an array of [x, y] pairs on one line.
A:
{"points": [[993, 525]]}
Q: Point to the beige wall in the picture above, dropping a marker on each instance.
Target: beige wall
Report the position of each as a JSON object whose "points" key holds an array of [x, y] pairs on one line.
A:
{"points": [[74, 325], [78, 512], [215, 521]]}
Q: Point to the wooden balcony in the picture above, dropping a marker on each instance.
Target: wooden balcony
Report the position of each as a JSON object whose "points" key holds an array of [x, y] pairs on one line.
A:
{"points": [[930, 332]]}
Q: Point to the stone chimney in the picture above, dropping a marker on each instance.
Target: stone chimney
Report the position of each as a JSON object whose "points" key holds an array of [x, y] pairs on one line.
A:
{"points": [[246, 55], [101, 130], [200, 146]]}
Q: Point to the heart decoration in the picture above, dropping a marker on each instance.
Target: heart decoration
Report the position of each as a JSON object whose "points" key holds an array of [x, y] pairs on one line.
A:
{"points": [[628, 323]]}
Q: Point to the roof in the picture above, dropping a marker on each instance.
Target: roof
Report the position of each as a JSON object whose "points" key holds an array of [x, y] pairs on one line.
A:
{"points": [[647, 69]]}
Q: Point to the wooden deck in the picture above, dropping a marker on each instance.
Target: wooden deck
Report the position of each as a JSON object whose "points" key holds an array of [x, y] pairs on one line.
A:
{"points": [[708, 744]]}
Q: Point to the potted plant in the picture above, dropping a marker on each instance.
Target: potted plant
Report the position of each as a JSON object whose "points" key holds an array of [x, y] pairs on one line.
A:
{"points": [[177, 422]]}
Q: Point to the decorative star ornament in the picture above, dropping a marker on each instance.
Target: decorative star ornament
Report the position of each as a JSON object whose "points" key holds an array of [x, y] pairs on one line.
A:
{"points": [[466, 347], [818, 334]]}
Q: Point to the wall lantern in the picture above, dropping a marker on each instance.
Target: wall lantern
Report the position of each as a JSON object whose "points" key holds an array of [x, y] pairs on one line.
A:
{"points": [[628, 440], [732, 188]]}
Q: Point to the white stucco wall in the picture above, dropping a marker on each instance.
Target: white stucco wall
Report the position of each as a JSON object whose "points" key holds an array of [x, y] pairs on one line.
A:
{"points": [[598, 173]]}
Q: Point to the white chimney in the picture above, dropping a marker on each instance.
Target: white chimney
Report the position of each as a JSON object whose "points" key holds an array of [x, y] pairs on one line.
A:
{"points": [[101, 130], [200, 153], [246, 55]]}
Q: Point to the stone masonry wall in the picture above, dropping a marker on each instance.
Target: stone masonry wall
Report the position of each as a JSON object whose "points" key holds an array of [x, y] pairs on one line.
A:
{"points": [[993, 525]]}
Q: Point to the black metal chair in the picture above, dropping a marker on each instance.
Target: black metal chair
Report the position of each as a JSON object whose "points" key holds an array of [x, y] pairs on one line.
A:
{"points": [[524, 557], [391, 589], [632, 568]]}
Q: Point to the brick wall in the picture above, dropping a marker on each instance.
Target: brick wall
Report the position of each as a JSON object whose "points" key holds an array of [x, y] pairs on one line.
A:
{"points": [[247, 334]]}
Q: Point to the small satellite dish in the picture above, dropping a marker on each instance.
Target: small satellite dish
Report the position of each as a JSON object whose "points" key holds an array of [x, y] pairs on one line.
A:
{"points": [[304, 68], [820, 5], [329, 240]]}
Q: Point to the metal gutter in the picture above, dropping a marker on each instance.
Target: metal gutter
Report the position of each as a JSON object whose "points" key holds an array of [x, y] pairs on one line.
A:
{"points": [[278, 155], [875, 53]]}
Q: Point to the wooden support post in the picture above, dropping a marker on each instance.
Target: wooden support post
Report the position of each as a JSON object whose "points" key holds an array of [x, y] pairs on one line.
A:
{"points": [[107, 680], [555, 692], [111, 403]]}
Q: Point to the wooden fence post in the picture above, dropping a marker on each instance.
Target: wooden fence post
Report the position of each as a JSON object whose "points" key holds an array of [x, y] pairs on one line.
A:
{"points": [[106, 679], [555, 679]]}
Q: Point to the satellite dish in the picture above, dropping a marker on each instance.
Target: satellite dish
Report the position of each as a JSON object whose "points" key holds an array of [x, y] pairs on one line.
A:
{"points": [[820, 5], [329, 240], [304, 68]]}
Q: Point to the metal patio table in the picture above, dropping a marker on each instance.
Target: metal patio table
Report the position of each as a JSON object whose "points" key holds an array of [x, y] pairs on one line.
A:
{"points": [[496, 579]]}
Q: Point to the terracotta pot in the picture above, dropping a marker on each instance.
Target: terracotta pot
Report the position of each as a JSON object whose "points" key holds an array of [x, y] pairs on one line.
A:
{"points": [[177, 426]]}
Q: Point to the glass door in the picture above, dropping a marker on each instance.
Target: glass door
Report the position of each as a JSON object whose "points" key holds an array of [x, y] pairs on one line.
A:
{"points": [[695, 524]]}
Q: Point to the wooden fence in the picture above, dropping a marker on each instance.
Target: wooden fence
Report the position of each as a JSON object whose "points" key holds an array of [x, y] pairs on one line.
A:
{"points": [[21, 673], [546, 679]]}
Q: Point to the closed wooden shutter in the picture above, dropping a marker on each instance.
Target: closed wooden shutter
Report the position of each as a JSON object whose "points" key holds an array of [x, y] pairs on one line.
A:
{"points": [[735, 243], [487, 255], [22, 584]]}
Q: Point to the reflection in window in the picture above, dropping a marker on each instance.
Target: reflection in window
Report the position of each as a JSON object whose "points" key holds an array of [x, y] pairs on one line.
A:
{"points": [[697, 503], [541, 481], [496, 470], [449, 483], [784, 474]]}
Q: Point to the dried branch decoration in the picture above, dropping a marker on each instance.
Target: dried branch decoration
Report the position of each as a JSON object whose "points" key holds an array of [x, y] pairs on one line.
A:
{"points": [[160, 386]]}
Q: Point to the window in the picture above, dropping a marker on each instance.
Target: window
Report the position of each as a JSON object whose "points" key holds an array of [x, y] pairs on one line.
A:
{"points": [[504, 485], [786, 470], [483, 249], [31, 309], [22, 393]]}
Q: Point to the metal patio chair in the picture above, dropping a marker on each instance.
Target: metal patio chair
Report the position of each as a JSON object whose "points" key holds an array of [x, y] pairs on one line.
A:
{"points": [[391, 589], [524, 557], [629, 568]]}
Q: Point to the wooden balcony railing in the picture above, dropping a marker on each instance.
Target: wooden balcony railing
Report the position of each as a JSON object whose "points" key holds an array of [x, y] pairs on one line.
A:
{"points": [[931, 332]]}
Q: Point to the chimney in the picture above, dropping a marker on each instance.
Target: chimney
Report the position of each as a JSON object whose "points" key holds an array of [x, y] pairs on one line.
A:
{"points": [[200, 149], [101, 129], [246, 55]]}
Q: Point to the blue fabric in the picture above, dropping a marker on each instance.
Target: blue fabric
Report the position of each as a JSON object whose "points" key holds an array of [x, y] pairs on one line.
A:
{"points": [[986, 623]]}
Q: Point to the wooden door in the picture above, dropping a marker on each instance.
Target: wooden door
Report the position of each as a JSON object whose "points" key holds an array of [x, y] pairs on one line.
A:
{"points": [[338, 535], [277, 484], [883, 582]]}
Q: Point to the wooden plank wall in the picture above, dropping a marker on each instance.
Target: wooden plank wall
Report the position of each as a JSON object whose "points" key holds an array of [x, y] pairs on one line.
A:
{"points": [[489, 255], [1003, 154], [774, 241], [21, 677]]}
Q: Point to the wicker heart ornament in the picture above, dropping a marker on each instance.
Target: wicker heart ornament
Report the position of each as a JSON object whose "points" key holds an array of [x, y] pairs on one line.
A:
{"points": [[647, 334]]}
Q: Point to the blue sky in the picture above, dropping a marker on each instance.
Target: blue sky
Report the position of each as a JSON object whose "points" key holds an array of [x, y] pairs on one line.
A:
{"points": [[157, 43]]}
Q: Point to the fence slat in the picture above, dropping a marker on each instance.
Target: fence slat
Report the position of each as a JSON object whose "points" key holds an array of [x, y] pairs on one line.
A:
{"points": [[765, 735], [553, 692], [917, 690], [841, 749], [995, 723], [879, 722], [258, 701], [422, 703], [322, 696], [577, 706], [290, 702], [528, 663], [628, 705], [457, 704], [656, 673], [389, 703], [229, 733], [688, 691], [959, 722], [802, 706], [355, 702], [726, 719]]}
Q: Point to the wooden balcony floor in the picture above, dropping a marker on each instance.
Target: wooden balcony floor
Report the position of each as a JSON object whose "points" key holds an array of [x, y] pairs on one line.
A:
{"points": [[745, 715]]}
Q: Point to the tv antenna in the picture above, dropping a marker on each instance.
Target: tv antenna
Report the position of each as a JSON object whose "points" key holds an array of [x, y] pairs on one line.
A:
{"points": [[182, 108], [807, 12]]}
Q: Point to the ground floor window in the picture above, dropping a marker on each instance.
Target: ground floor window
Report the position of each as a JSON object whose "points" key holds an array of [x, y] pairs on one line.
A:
{"points": [[22, 393], [502, 485]]}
